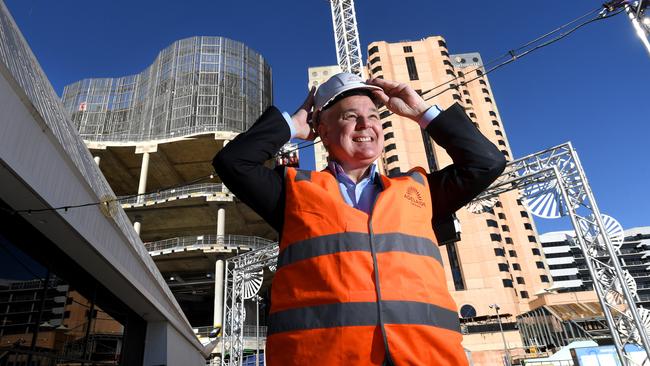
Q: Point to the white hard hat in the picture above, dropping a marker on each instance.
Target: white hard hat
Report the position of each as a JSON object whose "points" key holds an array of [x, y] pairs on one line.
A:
{"points": [[336, 85]]}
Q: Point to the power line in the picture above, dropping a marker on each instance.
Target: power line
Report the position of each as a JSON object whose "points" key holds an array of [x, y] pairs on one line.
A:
{"points": [[511, 56], [105, 202]]}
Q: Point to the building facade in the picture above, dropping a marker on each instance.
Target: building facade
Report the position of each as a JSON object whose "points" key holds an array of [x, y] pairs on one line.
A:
{"points": [[569, 268], [498, 258], [154, 136], [76, 284]]}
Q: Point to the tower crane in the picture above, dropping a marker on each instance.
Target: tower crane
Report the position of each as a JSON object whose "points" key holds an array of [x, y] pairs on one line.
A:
{"points": [[346, 36]]}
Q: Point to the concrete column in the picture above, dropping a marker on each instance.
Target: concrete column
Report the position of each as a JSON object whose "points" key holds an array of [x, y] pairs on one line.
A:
{"points": [[221, 225], [144, 171], [97, 159], [224, 189], [137, 224], [142, 186], [218, 293]]}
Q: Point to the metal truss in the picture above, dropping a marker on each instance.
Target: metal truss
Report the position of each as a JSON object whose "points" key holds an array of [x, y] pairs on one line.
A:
{"points": [[242, 280], [553, 184], [346, 36]]}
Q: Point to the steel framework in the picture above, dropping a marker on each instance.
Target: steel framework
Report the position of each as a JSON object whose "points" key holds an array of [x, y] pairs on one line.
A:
{"points": [[346, 36], [553, 184]]}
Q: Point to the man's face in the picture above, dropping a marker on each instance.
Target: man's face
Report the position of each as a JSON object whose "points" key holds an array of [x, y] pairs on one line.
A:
{"points": [[351, 131]]}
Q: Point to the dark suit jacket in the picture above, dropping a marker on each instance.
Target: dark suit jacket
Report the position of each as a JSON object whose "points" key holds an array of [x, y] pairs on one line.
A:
{"points": [[476, 164]]}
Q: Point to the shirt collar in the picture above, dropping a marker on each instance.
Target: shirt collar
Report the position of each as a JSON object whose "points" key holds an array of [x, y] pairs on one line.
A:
{"points": [[342, 177]]}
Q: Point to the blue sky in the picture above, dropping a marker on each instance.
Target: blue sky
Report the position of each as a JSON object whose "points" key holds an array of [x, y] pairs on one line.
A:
{"points": [[590, 88]]}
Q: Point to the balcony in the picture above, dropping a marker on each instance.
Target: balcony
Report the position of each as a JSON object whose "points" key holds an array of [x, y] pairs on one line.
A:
{"points": [[211, 191], [203, 242]]}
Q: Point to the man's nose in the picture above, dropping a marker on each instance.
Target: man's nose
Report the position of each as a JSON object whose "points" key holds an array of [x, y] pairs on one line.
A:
{"points": [[363, 122]]}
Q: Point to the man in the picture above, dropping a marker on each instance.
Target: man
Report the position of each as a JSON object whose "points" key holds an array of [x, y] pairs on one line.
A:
{"points": [[360, 278]]}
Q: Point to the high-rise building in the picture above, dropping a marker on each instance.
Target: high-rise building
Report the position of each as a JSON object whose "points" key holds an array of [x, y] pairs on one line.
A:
{"points": [[317, 76], [569, 270], [499, 259], [154, 136]]}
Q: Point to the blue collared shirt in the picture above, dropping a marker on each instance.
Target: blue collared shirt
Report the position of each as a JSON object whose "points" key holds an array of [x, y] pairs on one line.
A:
{"points": [[362, 195]]}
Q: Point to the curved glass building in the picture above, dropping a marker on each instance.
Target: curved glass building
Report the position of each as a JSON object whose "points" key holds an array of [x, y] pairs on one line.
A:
{"points": [[196, 85]]}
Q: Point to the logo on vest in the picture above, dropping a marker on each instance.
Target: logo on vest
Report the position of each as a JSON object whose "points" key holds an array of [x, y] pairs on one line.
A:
{"points": [[414, 197]]}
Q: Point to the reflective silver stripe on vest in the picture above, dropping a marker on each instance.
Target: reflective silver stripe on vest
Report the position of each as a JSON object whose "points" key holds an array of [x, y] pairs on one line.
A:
{"points": [[351, 242], [351, 314]]}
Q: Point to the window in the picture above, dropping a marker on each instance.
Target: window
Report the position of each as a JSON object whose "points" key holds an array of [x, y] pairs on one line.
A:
{"points": [[509, 241], [449, 72], [528, 226], [544, 278], [376, 69], [453, 86], [419, 91], [495, 123], [481, 81], [468, 101], [505, 228], [479, 72], [374, 60], [502, 216], [535, 251], [539, 265], [516, 267], [387, 124], [442, 44], [392, 159], [389, 135], [520, 280], [384, 114], [505, 153], [498, 204], [498, 133], [499, 252], [412, 69], [523, 213], [503, 267], [373, 50], [485, 91], [461, 74], [507, 283], [512, 253], [390, 147], [408, 49], [495, 237], [491, 223], [447, 63], [454, 263], [456, 96], [524, 294], [531, 238], [472, 114], [467, 311], [492, 113], [444, 53], [501, 143], [465, 92]]}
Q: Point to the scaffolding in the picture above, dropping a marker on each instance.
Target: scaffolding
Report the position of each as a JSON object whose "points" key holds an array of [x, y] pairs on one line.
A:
{"points": [[196, 85], [553, 185]]}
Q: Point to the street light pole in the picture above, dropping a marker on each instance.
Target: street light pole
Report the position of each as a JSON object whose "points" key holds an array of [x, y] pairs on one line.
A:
{"points": [[503, 336]]}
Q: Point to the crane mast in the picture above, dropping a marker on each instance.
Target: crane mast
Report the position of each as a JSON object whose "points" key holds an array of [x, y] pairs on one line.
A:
{"points": [[346, 36]]}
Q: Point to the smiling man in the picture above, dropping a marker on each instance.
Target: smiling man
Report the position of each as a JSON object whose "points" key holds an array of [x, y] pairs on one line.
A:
{"points": [[360, 278]]}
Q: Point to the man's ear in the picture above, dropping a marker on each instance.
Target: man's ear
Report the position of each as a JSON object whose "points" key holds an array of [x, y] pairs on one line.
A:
{"points": [[321, 128]]}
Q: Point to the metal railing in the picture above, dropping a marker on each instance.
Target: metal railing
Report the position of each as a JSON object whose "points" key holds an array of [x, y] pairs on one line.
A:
{"points": [[249, 331], [253, 242], [194, 190], [178, 133]]}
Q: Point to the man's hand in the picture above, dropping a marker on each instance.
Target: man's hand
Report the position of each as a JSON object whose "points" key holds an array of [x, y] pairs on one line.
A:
{"points": [[302, 118], [400, 98]]}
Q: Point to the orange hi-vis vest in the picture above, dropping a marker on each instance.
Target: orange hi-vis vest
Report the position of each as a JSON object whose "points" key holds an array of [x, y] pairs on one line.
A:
{"points": [[359, 289]]}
